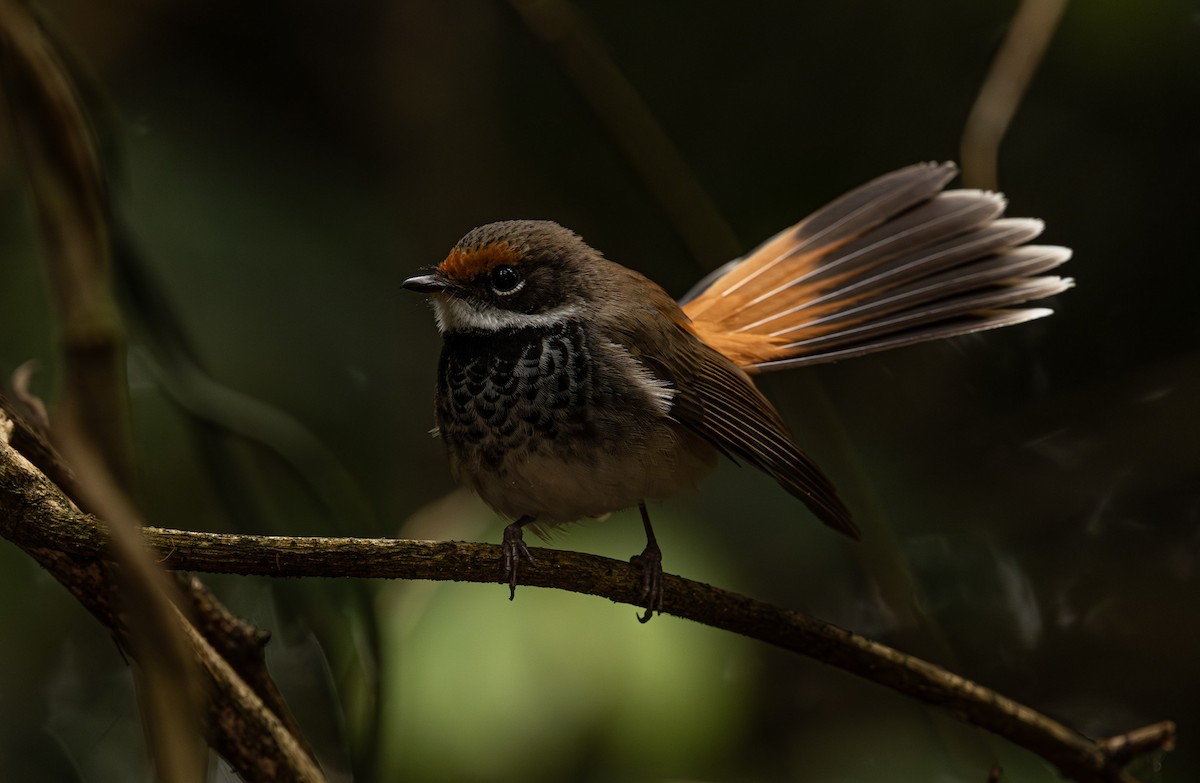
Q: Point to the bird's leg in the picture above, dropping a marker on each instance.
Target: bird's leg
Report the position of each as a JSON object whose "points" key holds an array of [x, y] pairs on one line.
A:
{"points": [[650, 561], [514, 551]]}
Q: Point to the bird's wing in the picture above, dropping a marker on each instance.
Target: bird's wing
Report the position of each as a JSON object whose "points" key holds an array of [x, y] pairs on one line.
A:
{"points": [[719, 402]]}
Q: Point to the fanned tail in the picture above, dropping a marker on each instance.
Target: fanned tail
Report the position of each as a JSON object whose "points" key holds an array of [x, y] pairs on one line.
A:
{"points": [[895, 262]]}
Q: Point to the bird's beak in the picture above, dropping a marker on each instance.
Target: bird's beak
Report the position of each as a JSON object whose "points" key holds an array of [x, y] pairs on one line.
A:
{"points": [[433, 283]]}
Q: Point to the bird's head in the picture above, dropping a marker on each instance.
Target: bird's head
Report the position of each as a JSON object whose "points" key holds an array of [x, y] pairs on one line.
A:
{"points": [[509, 275]]}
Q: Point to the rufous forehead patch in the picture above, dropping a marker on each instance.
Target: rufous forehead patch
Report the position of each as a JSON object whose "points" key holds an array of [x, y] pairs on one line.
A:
{"points": [[467, 264]]}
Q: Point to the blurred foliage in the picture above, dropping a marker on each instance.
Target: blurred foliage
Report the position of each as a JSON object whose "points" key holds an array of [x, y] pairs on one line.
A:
{"points": [[1030, 498]]}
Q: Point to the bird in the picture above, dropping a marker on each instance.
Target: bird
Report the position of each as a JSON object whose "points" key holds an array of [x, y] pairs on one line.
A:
{"points": [[571, 387]]}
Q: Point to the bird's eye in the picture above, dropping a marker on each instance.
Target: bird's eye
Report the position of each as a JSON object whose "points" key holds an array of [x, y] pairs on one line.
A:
{"points": [[506, 279]]}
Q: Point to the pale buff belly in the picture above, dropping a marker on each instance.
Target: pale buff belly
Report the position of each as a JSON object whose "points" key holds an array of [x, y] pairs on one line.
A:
{"points": [[561, 483]]}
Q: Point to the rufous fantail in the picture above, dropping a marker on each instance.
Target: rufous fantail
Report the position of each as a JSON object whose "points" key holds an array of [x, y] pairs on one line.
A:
{"points": [[570, 386]]}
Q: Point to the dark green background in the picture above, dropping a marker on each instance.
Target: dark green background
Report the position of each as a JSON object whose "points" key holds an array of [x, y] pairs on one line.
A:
{"points": [[1029, 498]]}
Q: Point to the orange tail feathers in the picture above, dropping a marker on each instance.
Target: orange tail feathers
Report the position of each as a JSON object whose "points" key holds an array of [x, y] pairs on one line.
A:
{"points": [[895, 262]]}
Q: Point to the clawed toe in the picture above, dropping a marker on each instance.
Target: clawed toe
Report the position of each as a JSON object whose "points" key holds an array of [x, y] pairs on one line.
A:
{"points": [[650, 561], [514, 551]]}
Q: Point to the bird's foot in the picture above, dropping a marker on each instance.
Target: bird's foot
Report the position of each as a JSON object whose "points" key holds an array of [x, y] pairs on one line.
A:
{"points": [[650, 561], [514, 551]]}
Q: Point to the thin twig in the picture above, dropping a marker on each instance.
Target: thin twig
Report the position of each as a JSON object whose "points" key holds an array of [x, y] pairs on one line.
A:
{"points": [[587, 61], [55, 140], [30, 517], [1123, 748], [236, 722], [67, 178], [240, 643], [1017, 60]]}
